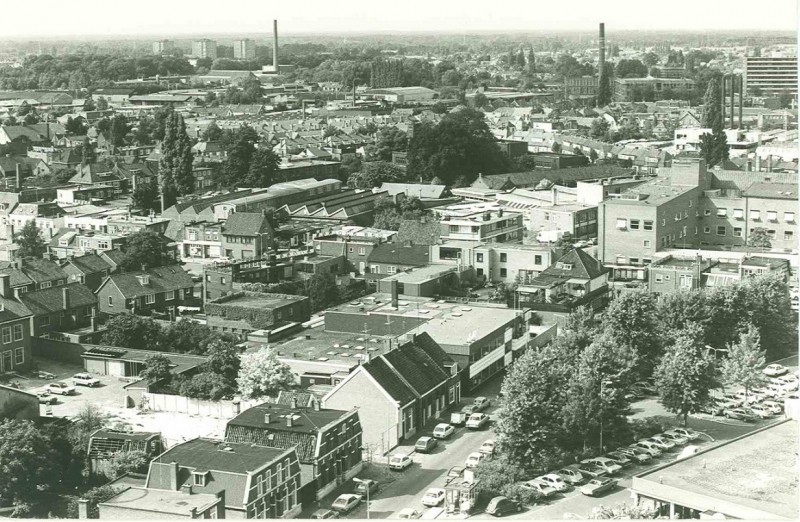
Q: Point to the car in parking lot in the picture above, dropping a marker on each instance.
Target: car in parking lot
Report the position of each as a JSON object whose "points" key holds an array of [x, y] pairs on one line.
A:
{"points": [[790, 384], [433, 497], [571, 475], [399, 462], [468, 410], [739, 414], [713, 407], [620, 458], [649, 447], [322, 514], [774, 390], [760, 411], [500, 506], [555, 481], [749, 397], [605, 463], [474, 459], [733, 399], [481, 403], [425, 444], [662, 444], [591, 470], [540, 488], [477, 421], [637, 454], [346, 502], [45, 397], [598, 485], [60, 388], [674, 438], [443, 431], [487, 448], [685, 432], [774, 370], [774, 406], [85, 379], [367, 485]]}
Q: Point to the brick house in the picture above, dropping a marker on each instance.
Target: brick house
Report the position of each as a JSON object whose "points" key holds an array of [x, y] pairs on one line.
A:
{"points": [[31, 274], [61, 308], [389, 258], [156, 291], [88, 269], [246, 235], [15, 330], [328, 442]]}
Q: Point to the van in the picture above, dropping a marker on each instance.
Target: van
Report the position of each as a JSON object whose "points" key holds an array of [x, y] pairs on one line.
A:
{"points": [[458, 418]]}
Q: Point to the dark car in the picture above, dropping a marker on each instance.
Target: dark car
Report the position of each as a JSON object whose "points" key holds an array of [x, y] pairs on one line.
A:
{"points": [[364, 485], [591, 470], [500, 506], [324, 513], [425, 444]]}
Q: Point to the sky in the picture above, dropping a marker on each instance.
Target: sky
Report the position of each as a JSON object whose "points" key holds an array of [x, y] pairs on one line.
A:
{"points": [[57, 18]]}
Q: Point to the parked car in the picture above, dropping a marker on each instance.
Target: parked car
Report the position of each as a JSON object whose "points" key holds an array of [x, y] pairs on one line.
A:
{"points": [[481, 403], [425, 444], [648, 446], [500, 506], [45, 397], [620, 458], [739, 414], [487, 448], [540, 488], [606, 463], [597, 486], [60, 388], [733, 399], [674, 438], [662, 444], [468, 410], [591, 470], [408, 513], [399, 462], [367, 485], [85, 379], [713, 407], [346, 502], [555, 482], [458, 418], [749, 397], [790, 385], [637, 454], [775, 390], [322, 514], [477, 421], [774, 406], [571, 475], [443, 431], [760, 411], [433, 497], [685, 432], [789, 377], [774, 370], [474, 459]]}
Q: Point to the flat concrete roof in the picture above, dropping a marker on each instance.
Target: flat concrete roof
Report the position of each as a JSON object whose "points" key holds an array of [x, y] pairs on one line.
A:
{"points": [[261, 301], [422, 274], [160, 501], [467, 323], [756, 472], [333, 347]]}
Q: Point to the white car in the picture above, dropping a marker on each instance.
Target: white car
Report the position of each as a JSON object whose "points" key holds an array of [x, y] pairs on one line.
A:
{"points": [[542, 489], [605, 463], [60, 388], [408, 514], [774, 370], [774, 406], [477, 421], [399, 462], [760, 411], [487, 448], [345, 503], [85, 379], [443, 431], [433, 497], [474, 459], [554, 481], [685, 432], [789, 384]]}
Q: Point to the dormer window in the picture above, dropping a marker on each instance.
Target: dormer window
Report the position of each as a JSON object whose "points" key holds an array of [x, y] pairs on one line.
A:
{"points": [[144, 279], [200, 478]]}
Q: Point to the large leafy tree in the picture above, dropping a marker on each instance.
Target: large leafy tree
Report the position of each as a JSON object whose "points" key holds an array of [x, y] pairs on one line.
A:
{"points": [[208, 386], [87, 152], [263, 375], [240, 150], [745, 358], [263, 170], [133, 331], [390, 139], [145, 195], [632, 320], [375, 173], [212, 133], [145, 248], [175, 165], [95, 497], [685, 376], [713, 146], [158, 369], [759, 238], [119, 130], [456, 149], [30, 242]]}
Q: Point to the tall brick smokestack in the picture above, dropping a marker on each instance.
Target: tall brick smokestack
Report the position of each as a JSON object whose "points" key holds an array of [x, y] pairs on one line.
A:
{"points": [[602, 45], [275, 44]]}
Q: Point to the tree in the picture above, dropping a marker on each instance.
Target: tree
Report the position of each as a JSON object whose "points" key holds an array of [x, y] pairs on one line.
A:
{"points": [[375, 173], [632, 320], [87, 152], [102, 103], [713, 146], [264, 169], [189, 337], [89, 104], [157, 369], [30, 242], [650, 59], [480, 100], [95, 496], [263, 375], [744, 361], [593, 156], [599, 129], [223, 359], [556, 147], [390, 139], [75, 126], [566, 241], [145, 248], [175, 165], [240, 155], [145, 196], [119, 130], [604, 85], [759, 238], [622, 512], [30, 119], [630, 69], [208, 386], [212, 133], [143, 132], [685, 376], [133, 461], [132, 331]]}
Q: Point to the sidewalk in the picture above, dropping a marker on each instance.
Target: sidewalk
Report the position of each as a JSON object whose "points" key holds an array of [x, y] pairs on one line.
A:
{"points": [[379, 473]]}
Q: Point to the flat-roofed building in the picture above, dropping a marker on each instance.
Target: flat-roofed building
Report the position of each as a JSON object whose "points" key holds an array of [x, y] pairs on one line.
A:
{"points": [[204, 48], [770, 75], [244, 49]]}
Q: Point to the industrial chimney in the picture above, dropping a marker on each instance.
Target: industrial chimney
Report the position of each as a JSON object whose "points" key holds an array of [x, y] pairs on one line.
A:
{"points": [[602, 45], [275, 46]]}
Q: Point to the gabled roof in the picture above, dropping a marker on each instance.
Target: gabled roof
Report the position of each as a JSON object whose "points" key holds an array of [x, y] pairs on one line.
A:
{"points": [[161, 279], [41, 270], [247, 224], [389, 381], [399, 254], [89, 263], [576, 264], [417, 190], [50, 300], [113, 257], [94, 173]]}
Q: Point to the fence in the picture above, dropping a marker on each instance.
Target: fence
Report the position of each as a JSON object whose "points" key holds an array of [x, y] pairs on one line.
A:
{"points": [[181, 404]]}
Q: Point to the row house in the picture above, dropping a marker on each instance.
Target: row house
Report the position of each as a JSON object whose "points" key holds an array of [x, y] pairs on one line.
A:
{"points": [[15, 331], [30, 274], [155, 291], [69, 242], [61, 308], [88, 269]]}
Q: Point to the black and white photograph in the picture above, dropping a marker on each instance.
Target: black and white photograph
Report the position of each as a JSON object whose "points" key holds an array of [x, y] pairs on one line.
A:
{"points": [[424, 260]]}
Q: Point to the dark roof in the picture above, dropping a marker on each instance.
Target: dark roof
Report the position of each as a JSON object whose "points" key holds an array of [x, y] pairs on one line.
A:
{"points": [[246, 224], [51, 300], [162, 279], [18, 277], [94, 173], [399, 254], [41, 270], [12, 310], [421, 233], [89, 263], [179, 363], [771, 190], [105, 443], [210, 455], [583, 266], [304, 399], [389, 381], [114, 257], [531, 178]]}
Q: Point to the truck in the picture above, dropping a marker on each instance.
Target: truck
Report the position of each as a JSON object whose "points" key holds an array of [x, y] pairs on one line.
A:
{"points": [[549, 236]]}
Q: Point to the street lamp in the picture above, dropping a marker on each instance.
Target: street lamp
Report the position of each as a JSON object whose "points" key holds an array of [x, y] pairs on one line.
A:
{"points": [[602, 384], [366, 487]]}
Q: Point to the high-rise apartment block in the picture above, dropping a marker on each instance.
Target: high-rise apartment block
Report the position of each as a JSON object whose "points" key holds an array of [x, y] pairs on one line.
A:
{"points": [[204, 49], [244, 49], [770, 75], [163, 46]]}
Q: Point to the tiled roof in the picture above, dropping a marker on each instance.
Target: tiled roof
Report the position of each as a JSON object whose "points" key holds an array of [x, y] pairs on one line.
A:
{"points": [[106, 443], [389, 381], [41, 270], [416, 368], [583, 266], [162, 279], [94, 173], [89, 263], [49, 300], [399, 254], [303, 399], [18, 277], [114, 257], [12, 310], [246, 224]]}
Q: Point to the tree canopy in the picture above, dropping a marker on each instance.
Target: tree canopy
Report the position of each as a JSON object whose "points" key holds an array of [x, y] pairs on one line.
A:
{"points": [[263, 375], [29, 240]]}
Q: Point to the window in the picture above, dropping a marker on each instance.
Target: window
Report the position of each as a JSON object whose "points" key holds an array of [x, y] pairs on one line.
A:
{"points": [[170, 296], [738, 213], [350, 249], [721, 230], [771, 234], [722, 212], [503, 258], [476, 229], [648, 225], [479, 271], [110, 301], [622, 260], [788, 217], [755, 215], [788, 235], [772, 215], [362, 251], [634, 224], [647, 261], [222, 280], [479, 258], [375, 269], [199, 479], [17, 332], [737, 232], [707, 212], [622, 224], [706, 230], [666, 277], [503, 272], [659, 278], [150, 299], [685, 281], [634, 260], [646, 243], [678, 216], [6, 335], [391, 269], [46, 284], [19, 355], [537, 260], [453, 228]]}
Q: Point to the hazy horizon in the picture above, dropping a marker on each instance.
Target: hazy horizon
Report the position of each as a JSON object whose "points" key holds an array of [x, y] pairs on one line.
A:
{"points": [[182, 18]]}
